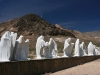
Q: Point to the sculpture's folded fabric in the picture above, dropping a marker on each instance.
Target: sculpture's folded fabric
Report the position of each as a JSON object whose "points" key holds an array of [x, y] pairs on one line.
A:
{"points": [[5, 47], [53, 48], [91, 49], [39, 46], [68, 46], [77, 48], [82, 49], [21, 49]]}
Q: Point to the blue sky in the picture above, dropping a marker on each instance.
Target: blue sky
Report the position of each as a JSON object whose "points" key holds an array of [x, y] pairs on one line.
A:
{"points": [[81, 15]]}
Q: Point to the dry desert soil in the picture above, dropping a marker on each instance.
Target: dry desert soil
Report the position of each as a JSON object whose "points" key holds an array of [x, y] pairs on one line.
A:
{"points": [[90, 68]]}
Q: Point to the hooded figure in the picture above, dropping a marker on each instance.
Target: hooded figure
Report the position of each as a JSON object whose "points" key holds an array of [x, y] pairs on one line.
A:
{"points": [[91, 49], [46, 50], [97, 50], [5, 47], [83, 49], [68, 46], [21, 49], [50, 49], [26, 48], [39, 46], [77, 48], [53, 48], [13, 41]]}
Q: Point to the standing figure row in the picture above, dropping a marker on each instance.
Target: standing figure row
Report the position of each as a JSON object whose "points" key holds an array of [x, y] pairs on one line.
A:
{"points": [[80, 49], [49, 49]]}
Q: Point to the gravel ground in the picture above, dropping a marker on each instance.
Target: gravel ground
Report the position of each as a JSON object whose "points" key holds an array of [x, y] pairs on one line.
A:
{"points": [[90, 68]]}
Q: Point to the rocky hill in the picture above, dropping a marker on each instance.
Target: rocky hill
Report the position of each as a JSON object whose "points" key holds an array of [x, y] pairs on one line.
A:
{"points": [[32, 24], [93, 33]]}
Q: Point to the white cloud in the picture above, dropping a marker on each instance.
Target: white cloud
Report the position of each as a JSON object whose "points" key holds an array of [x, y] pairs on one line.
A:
{"points": [[69, 23]]}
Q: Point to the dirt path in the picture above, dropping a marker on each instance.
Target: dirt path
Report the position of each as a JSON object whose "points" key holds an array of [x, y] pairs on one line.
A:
{"points": [[91, 68]]}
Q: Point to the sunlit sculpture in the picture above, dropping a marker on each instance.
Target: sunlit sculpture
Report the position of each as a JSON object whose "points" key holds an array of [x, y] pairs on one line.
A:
{"points": [[53, 48], [91, 50], [13, 41], [77, 48], [82, 49], [46, 50], [10, 49], [26, 48], [50, 49], [21, 49], [97, 50], [68, 46], [5, 47], [39, 46]]}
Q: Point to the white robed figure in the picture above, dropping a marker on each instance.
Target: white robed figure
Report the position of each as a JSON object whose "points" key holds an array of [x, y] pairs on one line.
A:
{"points": [[13, 41], [26, 48], [39, 47], [22, 49], [46, 50], [50, 49], [77, 48], [53, 48], [68, 46], [91, 49], [82, 49], [97, 50], [5, 47]]}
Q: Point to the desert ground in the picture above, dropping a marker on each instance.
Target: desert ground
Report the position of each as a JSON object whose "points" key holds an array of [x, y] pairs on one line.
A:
{"points": [[90, 68]]}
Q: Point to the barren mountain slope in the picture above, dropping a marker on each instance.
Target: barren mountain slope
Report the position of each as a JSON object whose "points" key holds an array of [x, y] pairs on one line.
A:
{"points": [[93, 34], [31, 26]]}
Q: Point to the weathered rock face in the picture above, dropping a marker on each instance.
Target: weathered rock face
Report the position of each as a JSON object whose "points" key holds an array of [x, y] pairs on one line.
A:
{"points": [[68, 46], [33, 24], [91, 49]]}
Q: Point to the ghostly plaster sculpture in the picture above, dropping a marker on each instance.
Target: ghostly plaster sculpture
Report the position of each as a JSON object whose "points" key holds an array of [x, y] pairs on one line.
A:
{"points": [[46, 50], [68, 46], [82, 49], [77, 48], [97, 50], [22, 49], [39, 47], [5, 46], [13, 41], [26, 48], [50, 49], [91, 50], [53, 49]]}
